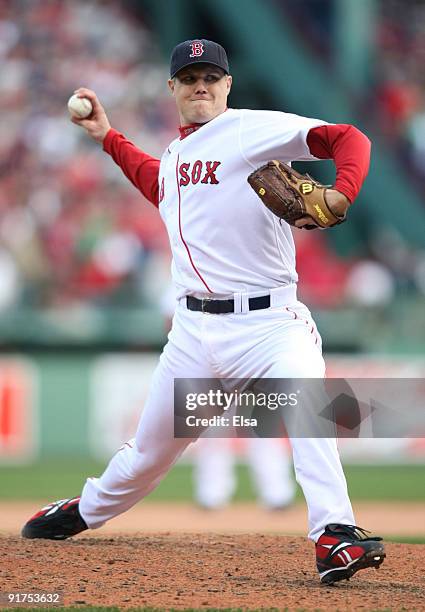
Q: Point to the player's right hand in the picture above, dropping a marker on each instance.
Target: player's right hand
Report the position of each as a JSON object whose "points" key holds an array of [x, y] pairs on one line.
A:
{"points": [[97, 124]]}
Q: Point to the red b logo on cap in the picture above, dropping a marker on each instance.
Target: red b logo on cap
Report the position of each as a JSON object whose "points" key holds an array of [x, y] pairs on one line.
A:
{"points": [[197, 48]]}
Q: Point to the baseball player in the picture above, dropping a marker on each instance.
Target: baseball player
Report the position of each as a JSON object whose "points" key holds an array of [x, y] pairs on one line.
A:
{"points": [[234, 269]]}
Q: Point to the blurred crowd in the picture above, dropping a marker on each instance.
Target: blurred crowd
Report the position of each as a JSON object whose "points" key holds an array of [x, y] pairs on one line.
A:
{"points": [[73, 232], [401, 80]]}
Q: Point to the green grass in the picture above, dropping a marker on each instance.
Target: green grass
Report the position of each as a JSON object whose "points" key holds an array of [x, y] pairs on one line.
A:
{"points": [[406, 539], [386, 483], [60, 478]]}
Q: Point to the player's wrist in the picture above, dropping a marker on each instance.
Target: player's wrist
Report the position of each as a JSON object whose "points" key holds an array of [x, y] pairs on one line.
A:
{"points": [[101, 132], [108, 139]]}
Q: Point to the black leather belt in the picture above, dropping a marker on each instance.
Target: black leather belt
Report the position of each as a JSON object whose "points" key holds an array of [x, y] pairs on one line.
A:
{"points": [[225, 306]]}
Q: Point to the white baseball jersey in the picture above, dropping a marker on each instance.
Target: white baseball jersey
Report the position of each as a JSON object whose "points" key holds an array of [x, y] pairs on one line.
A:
{"points": [[223, 239]]}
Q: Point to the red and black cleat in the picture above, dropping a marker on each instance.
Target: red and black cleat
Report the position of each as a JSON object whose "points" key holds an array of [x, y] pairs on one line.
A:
{"points": [[57, 521], [343, 550]]}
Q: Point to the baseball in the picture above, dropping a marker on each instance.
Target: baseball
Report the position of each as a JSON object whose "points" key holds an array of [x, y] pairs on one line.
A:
{"points": [[79, 107]]}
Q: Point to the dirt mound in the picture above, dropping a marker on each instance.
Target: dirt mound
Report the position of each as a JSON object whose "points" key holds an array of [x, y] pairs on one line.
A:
{"points": [[204, 571]]}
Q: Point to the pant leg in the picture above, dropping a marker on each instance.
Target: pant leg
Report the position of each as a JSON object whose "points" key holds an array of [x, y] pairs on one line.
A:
{"points": [[319, 473], [284, 343], [139, 466], [317, 463]]}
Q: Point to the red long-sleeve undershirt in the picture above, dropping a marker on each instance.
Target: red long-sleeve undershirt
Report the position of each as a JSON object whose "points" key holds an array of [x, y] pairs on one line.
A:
{"points": [[139, 167], [348, 148], [344, 144]]}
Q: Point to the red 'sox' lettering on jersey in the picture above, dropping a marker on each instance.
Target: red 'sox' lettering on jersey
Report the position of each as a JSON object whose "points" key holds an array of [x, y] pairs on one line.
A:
{"points": [[184, 177], [210, 176], [196, 171], [192, 173], [197, 48]]}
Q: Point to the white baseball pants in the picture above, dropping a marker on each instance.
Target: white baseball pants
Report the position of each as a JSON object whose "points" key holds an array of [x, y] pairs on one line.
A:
{"points": [[279, 342]]}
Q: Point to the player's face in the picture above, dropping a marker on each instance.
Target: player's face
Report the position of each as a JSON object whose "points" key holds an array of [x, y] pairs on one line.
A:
{"points": [[200, 92]]}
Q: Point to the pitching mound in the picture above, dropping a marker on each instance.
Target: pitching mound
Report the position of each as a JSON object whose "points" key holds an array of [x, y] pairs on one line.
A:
{"points": [[205, 570]]}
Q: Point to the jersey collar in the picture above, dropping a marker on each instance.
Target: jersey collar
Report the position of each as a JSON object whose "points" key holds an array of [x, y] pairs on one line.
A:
{"points": [[186, 130]]}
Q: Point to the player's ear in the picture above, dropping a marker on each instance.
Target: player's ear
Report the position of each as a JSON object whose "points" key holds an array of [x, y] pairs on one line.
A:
{"points": [[171, 85], [229, 83]]}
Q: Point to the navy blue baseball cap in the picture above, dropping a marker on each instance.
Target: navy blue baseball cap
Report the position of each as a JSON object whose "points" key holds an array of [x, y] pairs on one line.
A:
{"points": [[198, 51]]}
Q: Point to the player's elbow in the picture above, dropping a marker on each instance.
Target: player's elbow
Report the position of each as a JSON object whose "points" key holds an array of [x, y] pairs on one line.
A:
{"points": [[361, 138]]}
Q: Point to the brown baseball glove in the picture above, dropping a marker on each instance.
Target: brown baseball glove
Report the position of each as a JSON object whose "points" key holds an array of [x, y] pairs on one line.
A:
{"points": [[291, 195]]}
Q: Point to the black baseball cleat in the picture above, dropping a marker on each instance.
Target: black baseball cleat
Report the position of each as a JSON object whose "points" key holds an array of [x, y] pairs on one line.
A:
{"points": [[343, 550], [57, 521]]}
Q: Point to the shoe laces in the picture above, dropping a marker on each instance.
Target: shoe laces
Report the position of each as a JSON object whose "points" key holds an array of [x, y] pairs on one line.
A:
{"points": [[356, 532]]}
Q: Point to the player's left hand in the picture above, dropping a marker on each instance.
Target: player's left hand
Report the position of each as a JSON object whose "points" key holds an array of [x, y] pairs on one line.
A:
{"points": [[297, 198], [337, 202]]}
